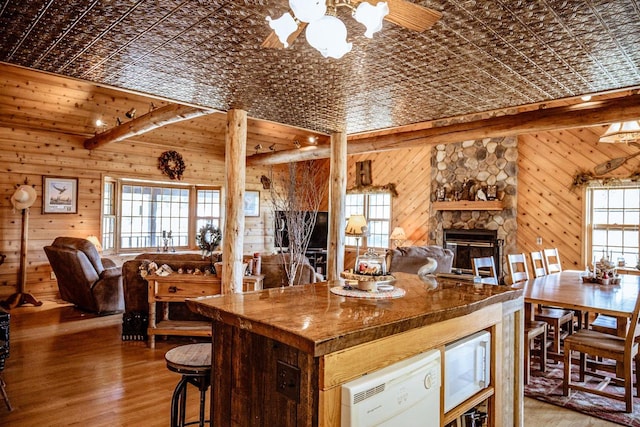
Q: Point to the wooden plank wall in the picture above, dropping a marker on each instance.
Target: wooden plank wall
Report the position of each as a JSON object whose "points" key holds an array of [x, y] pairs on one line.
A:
{"points": [[547, 208], [44, 120], [410, 171]]}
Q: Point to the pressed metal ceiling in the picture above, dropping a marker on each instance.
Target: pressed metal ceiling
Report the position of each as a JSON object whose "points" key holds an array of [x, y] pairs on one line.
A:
{"points": [[480, 56]]}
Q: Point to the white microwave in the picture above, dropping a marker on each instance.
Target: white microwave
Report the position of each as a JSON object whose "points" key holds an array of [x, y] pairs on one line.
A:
{"points": [[466, 368]]}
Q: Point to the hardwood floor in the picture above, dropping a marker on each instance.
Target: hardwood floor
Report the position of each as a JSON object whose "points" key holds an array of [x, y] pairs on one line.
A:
{"points": [[69, 368]]}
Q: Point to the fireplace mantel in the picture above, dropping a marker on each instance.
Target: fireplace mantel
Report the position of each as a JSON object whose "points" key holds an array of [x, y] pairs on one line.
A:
{"points": [[467, 205]]}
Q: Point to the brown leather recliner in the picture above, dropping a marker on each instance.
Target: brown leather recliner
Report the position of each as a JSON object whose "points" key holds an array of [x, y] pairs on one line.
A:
{"points": [[84, 279]]}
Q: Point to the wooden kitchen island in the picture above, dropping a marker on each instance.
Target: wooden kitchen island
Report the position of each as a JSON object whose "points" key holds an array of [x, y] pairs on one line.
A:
{"points": [[281, 355]]}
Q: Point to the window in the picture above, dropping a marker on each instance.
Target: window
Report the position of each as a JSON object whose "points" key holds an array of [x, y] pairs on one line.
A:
{"points": [[376, 208], [152, 215], [109, 215], [207, 207], [613, 218]]}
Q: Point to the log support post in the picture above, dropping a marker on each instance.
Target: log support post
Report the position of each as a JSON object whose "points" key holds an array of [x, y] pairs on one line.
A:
{"points": [[235, 177], [337, 191]]}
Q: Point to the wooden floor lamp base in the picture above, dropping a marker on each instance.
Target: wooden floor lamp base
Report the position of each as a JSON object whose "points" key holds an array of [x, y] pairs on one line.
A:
{"points": [[18, 299]]}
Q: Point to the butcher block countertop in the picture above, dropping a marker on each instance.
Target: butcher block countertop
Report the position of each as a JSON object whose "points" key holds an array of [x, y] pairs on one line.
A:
{"points": [[318, 322]]}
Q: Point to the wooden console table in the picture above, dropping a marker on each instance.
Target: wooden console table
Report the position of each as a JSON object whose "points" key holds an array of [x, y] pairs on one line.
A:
{"points": [[178, 287]]}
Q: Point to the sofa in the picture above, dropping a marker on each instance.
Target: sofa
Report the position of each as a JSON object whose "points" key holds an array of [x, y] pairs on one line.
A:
{"points": [[136, 290], [84, 278], [275, 275], [409, 259]]}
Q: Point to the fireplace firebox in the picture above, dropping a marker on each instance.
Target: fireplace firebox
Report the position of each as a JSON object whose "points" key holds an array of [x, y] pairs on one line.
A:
{"points": [[469, 244]]}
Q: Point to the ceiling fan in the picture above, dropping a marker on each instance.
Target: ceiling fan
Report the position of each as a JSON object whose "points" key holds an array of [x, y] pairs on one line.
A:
{"points": [[308, 13]]}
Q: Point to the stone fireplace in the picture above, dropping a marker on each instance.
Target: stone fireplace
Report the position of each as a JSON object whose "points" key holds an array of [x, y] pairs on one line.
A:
{"points": [[462, 173]]}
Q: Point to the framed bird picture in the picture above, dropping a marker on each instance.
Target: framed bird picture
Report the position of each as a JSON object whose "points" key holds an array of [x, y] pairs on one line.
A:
{"points": [[59, 195]]}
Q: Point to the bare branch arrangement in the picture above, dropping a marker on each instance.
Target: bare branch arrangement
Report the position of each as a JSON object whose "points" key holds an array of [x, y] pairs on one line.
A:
{"points": [[297, 192]]}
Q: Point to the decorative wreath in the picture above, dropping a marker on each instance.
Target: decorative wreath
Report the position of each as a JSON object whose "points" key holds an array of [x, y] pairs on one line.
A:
{"points": [[171, 164], [209, 238]]}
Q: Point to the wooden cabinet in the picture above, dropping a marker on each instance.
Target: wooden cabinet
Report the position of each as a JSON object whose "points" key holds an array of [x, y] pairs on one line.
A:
{"points": [[178, 287], [318, 341]]}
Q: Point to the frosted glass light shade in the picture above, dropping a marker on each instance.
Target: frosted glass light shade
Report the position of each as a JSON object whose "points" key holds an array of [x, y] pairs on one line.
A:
{"points": [[283, 26], [308, 10], [622, 132], [371, 16], [328, 35], [355, 226]]}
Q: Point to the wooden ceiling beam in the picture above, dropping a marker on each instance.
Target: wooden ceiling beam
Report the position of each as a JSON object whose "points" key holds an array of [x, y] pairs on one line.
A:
{"points": [[579, 115], [157, 118]]}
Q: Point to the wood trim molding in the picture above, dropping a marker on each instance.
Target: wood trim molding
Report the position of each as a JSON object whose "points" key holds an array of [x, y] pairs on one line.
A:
{"points": [[157, 118], [579, 115]]}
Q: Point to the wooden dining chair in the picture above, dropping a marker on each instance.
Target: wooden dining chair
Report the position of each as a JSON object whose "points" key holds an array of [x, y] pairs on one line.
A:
{"points": [[485, 267], [534, 330], [518, 270], [624, 350], [537, 262], [559, 320], [552, 260]]}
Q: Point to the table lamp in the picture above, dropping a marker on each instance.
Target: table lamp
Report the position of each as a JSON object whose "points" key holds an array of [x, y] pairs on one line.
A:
{"points": [[96, 242], [398, 236], [356, 227]]}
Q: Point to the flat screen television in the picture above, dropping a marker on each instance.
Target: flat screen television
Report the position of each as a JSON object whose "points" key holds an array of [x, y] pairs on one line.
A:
{"points": [[318, 238]]}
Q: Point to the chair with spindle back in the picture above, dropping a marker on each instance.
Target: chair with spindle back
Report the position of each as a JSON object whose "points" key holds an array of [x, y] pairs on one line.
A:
{"points": [[623, 350], [533, 329], [485, 267], [552, 260], [518, 270], [556, 318], [537, 262]]}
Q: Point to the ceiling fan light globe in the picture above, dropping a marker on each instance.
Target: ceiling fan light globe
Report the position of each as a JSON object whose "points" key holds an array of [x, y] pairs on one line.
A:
{"points": [[328, 35], [283, 27], [308, 10], [371, 16]]}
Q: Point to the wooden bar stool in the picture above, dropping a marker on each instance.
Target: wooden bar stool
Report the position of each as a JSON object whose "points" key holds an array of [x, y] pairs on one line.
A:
{"points": [[193, 361]]}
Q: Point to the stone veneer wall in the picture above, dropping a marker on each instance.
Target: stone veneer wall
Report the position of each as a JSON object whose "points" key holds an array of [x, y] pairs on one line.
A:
{"points": [[490, 161]]}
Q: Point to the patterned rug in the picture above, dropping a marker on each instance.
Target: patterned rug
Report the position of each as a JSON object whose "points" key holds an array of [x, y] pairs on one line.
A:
{"points": [[547, 387]]}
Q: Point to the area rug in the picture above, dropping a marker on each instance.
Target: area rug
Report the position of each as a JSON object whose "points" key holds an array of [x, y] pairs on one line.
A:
{"points": [[547, 387]]}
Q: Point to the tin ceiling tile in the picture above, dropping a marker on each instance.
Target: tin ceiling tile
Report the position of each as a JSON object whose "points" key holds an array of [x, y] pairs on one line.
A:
{"points": [[481, 55]]}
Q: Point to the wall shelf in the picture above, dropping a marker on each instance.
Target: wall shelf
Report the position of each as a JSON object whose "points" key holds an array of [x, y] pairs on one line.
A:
{"points": [[467, 205]]}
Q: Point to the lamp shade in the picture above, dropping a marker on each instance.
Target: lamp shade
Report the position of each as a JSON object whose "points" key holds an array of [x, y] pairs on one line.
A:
{"points": [[308, 10], [328, 35], [398, 234], [371, 16], [96, 242], [622, 132], [283, 27], [356, 226]]}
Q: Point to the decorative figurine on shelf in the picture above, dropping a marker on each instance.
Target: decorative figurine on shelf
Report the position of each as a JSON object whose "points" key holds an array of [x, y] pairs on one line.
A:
{"points": [[167, 240], [492, 192]]}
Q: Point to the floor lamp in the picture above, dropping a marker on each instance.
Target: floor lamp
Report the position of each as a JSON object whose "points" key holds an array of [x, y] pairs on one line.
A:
{"points": [[356, 227]]}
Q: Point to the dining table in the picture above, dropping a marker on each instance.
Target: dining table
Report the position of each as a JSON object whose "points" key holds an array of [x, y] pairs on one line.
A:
{"points": [[567, 289]]}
